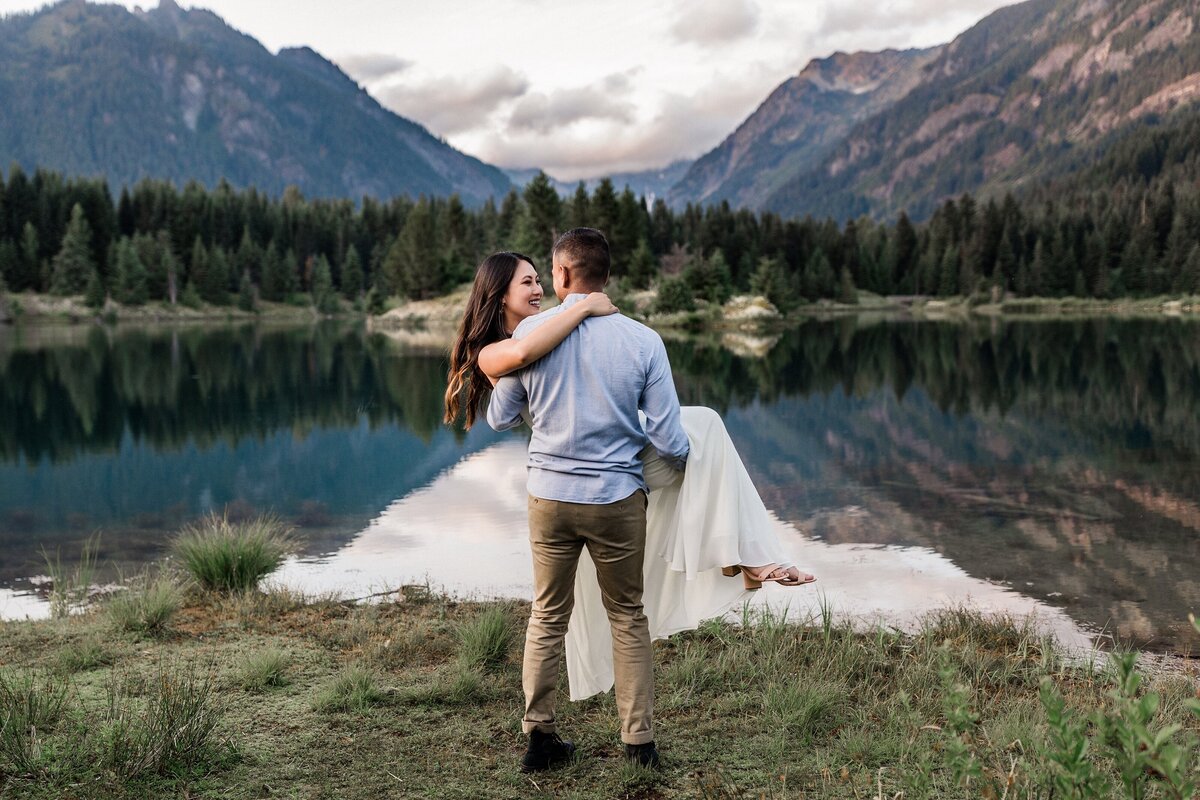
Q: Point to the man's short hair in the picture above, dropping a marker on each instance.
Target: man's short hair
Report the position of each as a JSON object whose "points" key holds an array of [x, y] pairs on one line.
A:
{"points": [[584, 251]]}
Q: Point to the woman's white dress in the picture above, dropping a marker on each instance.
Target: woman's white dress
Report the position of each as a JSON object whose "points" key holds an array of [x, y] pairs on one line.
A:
{"points": [[708, 517]]}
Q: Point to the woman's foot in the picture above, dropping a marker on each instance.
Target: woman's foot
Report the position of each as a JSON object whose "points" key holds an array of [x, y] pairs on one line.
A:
{"points": [[753, 577]]}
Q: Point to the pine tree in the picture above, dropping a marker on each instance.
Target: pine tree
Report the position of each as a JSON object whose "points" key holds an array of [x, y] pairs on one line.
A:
{"points": [[579, 209], [541, 222], [275, 280], [248, 258], [948, 272], [818, 280], [130, 280], [413, 264], [30, 261], [74, 265], [846, 294], [771, 281], [1190, 283], [9, 261], [215, 287], [323, 296], [198, 268], [605, 207], [643, 267], [352, 274], [709, 278], [246, 300], [94, 296]]}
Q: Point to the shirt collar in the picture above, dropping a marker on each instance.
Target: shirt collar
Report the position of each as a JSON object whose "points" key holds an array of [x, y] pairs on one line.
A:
{"points": [[572, 299]]}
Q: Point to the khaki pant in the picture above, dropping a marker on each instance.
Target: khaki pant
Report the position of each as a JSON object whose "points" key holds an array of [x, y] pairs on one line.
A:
{"points": [[615, 536]]}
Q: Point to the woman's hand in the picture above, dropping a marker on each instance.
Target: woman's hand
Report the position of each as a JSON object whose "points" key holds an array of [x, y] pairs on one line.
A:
{"points": [[597, 304]]}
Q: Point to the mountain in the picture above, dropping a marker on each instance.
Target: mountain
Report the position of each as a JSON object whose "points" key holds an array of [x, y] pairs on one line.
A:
{"points": [[798, 124], [650, 183], [170, 93], [1030, 93]]}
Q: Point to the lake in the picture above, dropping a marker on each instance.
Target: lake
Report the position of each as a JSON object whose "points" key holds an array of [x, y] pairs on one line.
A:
{"points": [[1048, 467]]}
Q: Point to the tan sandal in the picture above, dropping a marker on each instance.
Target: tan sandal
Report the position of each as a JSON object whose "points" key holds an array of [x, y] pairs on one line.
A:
{"points": [[753, 577]]}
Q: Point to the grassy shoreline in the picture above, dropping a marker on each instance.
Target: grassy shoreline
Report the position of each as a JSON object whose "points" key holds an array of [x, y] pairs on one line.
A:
{"points": [[419, 696], [742, 313]]}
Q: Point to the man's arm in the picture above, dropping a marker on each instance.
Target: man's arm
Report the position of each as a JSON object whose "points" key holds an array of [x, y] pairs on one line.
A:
{"points": [[506, 404], [661, 406]]}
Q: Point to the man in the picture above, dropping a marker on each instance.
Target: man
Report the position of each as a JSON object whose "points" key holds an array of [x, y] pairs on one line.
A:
{"points": [[586, 490]]}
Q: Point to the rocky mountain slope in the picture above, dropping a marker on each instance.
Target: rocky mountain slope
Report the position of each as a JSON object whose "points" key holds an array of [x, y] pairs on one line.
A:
{"points": [[171, 93], [1031, 92], [799, 123]]}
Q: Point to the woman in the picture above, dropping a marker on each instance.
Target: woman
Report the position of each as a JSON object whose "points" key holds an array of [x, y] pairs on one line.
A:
{"points": [[702, 526]]}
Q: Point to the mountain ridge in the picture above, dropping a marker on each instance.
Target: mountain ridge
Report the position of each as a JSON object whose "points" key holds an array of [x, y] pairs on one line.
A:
{"points": [[179, 94]]}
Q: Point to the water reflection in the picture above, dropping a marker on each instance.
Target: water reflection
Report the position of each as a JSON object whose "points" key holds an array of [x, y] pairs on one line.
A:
{"points": [[467, 533], [1056, 458]]}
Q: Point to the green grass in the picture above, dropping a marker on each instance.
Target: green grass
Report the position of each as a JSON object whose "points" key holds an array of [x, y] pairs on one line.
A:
{"points": [[146, 606], [487, 640], [71, 586], [263, 669], [371, 701], [355, 689], [224, 556], [82, 655]]}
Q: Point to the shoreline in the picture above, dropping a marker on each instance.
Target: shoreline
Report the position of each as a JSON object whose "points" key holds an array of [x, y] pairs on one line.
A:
{"points": [[743, 313]]}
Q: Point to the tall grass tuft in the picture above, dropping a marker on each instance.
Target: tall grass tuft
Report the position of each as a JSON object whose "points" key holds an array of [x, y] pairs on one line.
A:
{"points": [[147, 606], [486, 640], [28, 707], [264, 668], [172, 727], [355, 689], [82, 655], [70, 587], [228, 557]]}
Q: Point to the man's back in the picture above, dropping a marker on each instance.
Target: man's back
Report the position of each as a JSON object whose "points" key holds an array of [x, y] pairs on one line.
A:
{"points": [[584, 397]]}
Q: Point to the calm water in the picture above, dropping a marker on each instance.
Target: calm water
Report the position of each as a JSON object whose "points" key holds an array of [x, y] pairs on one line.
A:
{"points": [[1049, 467]]}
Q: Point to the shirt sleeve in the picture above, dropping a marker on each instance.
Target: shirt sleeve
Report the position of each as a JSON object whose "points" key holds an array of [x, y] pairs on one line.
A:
{"points": [[660, 403], [507, 402]]}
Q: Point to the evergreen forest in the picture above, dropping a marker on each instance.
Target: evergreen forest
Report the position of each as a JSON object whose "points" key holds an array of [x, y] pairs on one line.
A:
{"points": [[1126, 225]]}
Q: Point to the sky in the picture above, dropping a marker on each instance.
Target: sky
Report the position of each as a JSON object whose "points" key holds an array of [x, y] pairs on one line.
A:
{"points": [[584, 88]]}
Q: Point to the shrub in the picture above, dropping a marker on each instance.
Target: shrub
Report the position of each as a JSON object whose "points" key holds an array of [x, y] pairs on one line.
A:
{"points": [[674, 295], [225, 556]]}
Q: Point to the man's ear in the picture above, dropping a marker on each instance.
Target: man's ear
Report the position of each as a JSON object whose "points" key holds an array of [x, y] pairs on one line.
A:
{"points": [[565, 279]]}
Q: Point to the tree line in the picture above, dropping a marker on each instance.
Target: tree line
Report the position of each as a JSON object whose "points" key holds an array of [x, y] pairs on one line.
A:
{"points": [[1138, 236]]}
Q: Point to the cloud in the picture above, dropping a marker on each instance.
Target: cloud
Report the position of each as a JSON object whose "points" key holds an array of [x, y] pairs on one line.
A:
{"points": [[885, 18], [685, 126], [546, 112], [451, 104], [371, 67], [711, 22]]}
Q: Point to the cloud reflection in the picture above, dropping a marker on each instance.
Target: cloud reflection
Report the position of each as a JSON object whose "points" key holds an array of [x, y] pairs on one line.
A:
{"points": [[466, 533]]}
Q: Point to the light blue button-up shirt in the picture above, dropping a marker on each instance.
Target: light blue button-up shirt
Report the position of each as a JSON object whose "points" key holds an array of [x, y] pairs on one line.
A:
{"points": [[584, 397]]}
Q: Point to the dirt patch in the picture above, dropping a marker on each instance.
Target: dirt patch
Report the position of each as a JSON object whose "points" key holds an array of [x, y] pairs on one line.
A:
{"points": [[1169, 97], [1053, 61]]}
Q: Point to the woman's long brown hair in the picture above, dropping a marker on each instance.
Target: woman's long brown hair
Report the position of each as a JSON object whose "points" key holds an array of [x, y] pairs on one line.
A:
{"points": [[482, 324]]}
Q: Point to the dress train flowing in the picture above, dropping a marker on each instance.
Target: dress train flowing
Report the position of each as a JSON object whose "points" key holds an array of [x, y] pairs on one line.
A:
{"points": [[708, 517]]}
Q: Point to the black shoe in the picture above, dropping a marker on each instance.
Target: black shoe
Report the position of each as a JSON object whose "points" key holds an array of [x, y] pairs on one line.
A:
{"points": [[545, 751], [643, 754]]}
